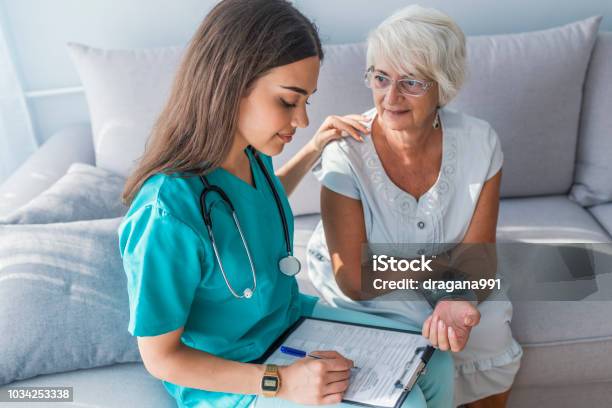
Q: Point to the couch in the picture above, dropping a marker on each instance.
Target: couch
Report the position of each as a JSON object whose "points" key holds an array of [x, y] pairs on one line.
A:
{"points": [[557, 186]]}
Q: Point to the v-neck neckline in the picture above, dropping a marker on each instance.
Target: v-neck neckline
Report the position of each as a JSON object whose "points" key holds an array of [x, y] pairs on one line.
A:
{"points": [[442, 162], [256, 186]]}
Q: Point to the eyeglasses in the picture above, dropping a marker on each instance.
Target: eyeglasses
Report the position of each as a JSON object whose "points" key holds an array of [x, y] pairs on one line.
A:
{"points": [[408, 86]]}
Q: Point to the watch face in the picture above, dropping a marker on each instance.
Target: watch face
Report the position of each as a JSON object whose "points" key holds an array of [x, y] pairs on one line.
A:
{"points": [[269, 383]]}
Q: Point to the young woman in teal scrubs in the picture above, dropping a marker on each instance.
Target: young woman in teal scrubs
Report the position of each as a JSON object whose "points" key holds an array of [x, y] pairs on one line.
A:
{"points": [[239, 95]]}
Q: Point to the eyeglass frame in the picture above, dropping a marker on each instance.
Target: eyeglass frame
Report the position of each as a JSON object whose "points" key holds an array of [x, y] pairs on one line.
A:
{"points": [[426, 85]]}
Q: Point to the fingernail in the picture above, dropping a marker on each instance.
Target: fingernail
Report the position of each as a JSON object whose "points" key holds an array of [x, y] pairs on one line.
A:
{"points": [[468, 321], [451, 331], [441, 324]]}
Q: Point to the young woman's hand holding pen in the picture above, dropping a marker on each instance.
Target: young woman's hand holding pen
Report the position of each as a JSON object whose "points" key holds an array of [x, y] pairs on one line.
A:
{"points": [[316, 380]]}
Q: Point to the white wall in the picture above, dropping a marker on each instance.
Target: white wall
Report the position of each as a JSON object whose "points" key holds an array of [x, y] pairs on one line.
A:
{"points": [[39, 29]]}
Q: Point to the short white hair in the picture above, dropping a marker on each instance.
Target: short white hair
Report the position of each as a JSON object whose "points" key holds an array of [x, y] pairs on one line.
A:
{"points": [[424, 42]]}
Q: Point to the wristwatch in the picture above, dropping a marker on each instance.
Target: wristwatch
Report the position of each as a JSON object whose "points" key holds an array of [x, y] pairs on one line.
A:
{"points": [[270, 382]]}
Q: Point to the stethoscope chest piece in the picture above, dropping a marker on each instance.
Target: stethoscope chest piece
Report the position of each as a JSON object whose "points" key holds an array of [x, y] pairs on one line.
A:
{"points": [[289, 265]]}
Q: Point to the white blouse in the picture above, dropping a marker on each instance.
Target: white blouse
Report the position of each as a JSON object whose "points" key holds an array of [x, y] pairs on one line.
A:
{"points": [[471, 154]]}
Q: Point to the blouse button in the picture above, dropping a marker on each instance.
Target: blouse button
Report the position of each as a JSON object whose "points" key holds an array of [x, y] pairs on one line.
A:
{"points": [[421, 224], [421, 251]]}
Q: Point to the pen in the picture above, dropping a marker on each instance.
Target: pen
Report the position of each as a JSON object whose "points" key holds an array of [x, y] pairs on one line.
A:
{"points": [[300, 353]]}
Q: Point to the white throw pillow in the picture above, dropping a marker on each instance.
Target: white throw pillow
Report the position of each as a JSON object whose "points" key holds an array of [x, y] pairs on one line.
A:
{"points": [[126, 91]]}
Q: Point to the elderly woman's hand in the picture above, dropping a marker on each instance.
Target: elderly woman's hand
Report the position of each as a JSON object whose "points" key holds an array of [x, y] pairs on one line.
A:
{"points": [[450, 324], [335, 127]]}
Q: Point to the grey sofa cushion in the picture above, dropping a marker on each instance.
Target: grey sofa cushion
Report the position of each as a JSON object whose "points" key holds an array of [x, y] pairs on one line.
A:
{"points": [[119, 385], [547, 219], [563, 342], [593, 165], [541, 323], [63, 299], [85, 192], [45, 166], [603, 214], [572, 394], [528, 86]]}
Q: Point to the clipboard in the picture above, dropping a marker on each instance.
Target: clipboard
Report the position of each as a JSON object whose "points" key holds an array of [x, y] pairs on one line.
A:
{"points": [[408, 373]]}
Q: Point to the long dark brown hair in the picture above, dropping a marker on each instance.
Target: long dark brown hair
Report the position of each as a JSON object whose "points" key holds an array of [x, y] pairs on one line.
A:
{"points": [[238, 42]]}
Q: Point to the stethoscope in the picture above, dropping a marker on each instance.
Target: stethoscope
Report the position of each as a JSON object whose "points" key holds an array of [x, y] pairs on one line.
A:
{"points": [[289, 264]]}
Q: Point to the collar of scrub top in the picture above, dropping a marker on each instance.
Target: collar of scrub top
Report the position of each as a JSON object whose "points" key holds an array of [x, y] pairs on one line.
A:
{"points": [[289, 265]]}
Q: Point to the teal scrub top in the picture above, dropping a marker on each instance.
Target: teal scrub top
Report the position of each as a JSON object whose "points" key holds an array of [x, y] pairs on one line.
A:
{"points": [[174, 280]]}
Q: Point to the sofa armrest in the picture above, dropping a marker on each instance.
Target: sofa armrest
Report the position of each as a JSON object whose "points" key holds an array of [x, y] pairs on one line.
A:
{"points": [[46, 165]]}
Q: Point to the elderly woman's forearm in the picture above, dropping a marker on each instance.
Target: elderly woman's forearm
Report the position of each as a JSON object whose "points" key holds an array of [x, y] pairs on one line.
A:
{"points": [[358, 285], [473, 264]]}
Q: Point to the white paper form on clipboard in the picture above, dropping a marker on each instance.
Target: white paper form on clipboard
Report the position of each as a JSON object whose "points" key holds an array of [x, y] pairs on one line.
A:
{"points": [[389, 360]]}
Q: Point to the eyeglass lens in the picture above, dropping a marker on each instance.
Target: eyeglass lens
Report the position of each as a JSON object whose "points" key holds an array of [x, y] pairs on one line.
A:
{"points": [[406, 86]]}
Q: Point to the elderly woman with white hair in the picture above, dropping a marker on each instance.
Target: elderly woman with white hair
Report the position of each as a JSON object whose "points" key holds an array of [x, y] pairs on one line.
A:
{"points": [[425, 175]]}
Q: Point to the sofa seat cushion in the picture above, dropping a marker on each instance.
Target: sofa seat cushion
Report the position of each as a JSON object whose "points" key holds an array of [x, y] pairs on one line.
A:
{"points": [[603, 214], [552, 219], [119, 385], [566, 395], [564, 342], [534, 219]]}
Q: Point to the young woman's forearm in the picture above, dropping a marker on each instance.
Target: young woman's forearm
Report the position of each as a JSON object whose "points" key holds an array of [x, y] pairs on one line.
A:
{"points": [[193, 368], [334, 127], [296, 168]]}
